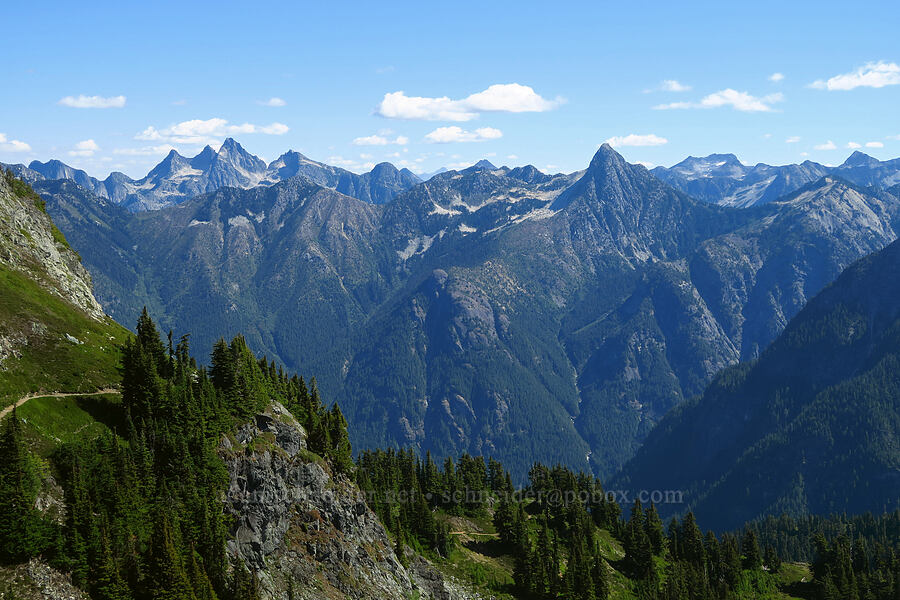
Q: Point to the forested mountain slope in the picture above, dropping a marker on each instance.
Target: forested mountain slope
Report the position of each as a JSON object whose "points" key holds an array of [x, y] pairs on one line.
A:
{"points": [[495, 311], [812, 426]]}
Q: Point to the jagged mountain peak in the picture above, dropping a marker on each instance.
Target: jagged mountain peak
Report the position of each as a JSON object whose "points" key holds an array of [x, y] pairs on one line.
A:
{"points": [[485, 164], [204, 159], [860, 159]]}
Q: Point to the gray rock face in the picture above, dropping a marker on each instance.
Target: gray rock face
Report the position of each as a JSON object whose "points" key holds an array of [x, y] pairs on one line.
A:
{"points": [[36, 580], [28, 245], [306, 533]]}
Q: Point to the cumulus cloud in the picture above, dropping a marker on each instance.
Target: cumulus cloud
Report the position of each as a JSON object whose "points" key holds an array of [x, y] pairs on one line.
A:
{"points": [[446, 135], [874, 145], [350, 164], [146, 150], [741, 101], [873, 74], [8, 145], [673, 85], [792, 140], [273, 101], [380, 140], [83, 101], [853, 145], [209, 131], [84, 148], [636, 140], [829, 145], [776, 77], [508, 97]]}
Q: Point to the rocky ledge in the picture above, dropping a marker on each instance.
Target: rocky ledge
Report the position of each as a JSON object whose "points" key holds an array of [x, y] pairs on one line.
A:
{"points": [[307, 533]]}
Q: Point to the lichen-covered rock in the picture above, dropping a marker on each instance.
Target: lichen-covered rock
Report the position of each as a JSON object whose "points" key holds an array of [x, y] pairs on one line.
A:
{"points": [[305, 532], [36, 580]]}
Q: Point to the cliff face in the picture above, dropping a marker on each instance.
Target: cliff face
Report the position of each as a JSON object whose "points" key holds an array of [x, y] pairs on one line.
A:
{"points": [[306, 533], [31, 244]]}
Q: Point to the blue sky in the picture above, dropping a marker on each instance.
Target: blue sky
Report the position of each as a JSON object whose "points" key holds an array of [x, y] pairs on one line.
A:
{"points": [[182, 74]]}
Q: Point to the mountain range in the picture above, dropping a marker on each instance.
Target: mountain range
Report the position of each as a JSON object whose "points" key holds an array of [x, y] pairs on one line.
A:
{"points": [[723, 179], [178, 178], [496, 311]]}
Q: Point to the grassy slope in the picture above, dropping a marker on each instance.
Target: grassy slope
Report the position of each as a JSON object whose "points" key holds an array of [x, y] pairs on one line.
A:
{"points": [[49, 361]]}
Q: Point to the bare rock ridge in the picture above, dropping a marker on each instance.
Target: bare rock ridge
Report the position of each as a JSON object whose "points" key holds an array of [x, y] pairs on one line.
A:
{"points": [[177, 178], [301, 529]]}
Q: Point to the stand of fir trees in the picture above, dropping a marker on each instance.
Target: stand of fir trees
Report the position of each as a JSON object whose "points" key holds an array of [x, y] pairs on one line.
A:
{"points": [[145, 515]]}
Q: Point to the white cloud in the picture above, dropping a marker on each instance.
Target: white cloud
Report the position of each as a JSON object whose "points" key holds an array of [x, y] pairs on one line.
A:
{"points": [[512, 157], [671, 85], [508, 97], [873, 74], [273, 101], [273, 129], [8, 145], [874, 145], [853, 145], [893, 137], [636, 140], [83, 101], [145, 151], [741, 101], [829, 145], [792, 140], [209, 131], [380, 140], [776, 77], [446, 135], [350, 164], [84, 148], [645, 164]]}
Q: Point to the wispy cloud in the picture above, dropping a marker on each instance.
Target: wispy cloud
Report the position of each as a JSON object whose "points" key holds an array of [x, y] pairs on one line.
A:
{"points": [[776, 77], [146, 150], [509, 97], [792, 140], [83, 101], [873, 74], [446, 135], [637, 140], [669, 85], [741, 101], [829, 145], [380, 140], [273, 101], [8, 145], [208, 131], [853, 145], [85, 148], [874, 145], [350, 164]]}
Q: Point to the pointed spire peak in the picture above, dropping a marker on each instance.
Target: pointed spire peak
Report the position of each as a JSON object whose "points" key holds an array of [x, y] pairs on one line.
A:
{"points": [[606, 156], [485, 164]]}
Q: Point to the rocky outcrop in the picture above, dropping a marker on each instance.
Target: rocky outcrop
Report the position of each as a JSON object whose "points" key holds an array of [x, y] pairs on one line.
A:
{"points": [[36, 580], [31, 244], [305, 532]]}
